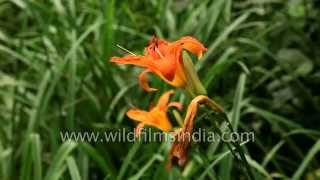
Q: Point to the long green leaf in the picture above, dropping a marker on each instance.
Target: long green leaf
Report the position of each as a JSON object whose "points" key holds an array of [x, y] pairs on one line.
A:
{"points": [[73, 169], [128, 159], [226, 164], [308, 158], [56, 168], [105, 167], [36, 156], [221, 38]]}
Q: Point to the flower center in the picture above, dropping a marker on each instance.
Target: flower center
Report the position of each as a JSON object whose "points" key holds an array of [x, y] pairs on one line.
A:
{"points": [[159, 53]]}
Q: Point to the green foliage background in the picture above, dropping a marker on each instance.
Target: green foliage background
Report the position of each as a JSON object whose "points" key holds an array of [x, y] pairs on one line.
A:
{"points": [[262, 66]]}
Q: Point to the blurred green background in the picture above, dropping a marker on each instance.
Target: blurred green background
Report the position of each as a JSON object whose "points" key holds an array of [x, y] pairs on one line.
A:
{"points": [[262, 65]]}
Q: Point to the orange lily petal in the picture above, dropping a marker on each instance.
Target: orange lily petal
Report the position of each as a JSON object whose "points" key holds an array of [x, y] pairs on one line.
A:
{"points": [[193, 45], [134, 60], [138, 115], [164, 99], [178, 105], [156, 118], [193, 109], [144, 83], [179, 79], [166, 66]]}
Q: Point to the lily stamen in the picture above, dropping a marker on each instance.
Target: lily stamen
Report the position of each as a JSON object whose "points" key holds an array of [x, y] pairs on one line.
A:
{"points": [[157, 50], [126, 50]]}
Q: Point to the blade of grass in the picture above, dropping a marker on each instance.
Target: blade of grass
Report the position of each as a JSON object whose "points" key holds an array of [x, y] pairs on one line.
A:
{"points": [[219, 66], [304, 91], [128, 159], [55, 170], [308, 158], [25, 173], [20, 57], [35, 112], [116, 99], [271, 117], [227, 10], [131, 31], [272, 153], [106, 168], [36, 156], [58, 73], [72, 85], [226, 164], [189, 24], [140, 173], [84, 167], [215, 10], [107, 42], [219, 158], [93, 27], [238, 153], [221, 38], [73, 169], [4, 155], [238, 97], [258, 167]]}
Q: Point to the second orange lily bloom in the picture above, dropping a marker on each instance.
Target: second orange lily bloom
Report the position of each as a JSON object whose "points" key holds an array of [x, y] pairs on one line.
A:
{"points": [[164, 59], [157, 116]]}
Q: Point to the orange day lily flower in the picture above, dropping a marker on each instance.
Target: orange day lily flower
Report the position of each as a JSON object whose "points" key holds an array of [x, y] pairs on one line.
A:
{"points": [[157, 116], [182, 140], [164, 59]]}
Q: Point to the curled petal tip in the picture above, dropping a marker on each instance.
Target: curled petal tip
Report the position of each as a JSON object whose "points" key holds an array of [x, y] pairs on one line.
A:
{"points": [[144, 83], [192, 45], [178, 105]]}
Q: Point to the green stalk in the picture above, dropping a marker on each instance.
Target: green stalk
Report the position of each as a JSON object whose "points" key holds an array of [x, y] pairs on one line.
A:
{"points": [[194, 87]]}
